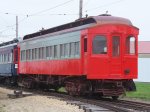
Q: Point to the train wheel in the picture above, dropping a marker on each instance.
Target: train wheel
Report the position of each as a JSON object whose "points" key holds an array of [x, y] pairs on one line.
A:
{"points": [[115, 97], [7, 81], [28, 83]]}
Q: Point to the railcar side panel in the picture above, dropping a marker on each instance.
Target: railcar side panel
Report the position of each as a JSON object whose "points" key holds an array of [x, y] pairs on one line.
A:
{"points": [[7, 65], [54, 67], [6, 69], [57, 58]]}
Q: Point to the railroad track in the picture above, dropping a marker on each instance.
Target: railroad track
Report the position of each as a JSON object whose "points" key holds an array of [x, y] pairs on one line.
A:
{"points": [[94, 105]]}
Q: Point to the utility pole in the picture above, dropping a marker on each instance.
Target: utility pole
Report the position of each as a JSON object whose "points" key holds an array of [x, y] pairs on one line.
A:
{"points": [[17, 27], [80, 9]]}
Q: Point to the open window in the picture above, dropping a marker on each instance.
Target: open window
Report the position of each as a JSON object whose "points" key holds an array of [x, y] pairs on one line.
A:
{"points": [[130, 45]]}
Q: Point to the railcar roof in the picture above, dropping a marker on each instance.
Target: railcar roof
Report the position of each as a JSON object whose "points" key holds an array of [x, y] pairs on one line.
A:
{"points": [[9, 42], [101, 19]]}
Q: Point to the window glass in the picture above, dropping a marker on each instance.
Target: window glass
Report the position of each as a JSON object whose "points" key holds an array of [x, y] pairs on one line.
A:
{"points": [[66, 50], [77, 48], [130, 45], [27, 54], [21, 55], [47, 52], [55, 51], [33, 54], [42, 53], [36, 53], [61, 50], [16, 55], [116, 46], [8, 57], [99, 45], [85, 44], [51, 51], [0, 58], [4, 57], [72, 49]]}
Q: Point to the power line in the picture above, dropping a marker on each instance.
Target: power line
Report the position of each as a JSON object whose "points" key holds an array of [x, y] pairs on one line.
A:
{"points": [[87, 3], [42, 11], [50, 8], [13, 14], [58, 14], [105, 5]]}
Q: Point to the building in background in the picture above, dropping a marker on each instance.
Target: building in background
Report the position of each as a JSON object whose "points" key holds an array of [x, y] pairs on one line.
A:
{"points": [[144, 61]]}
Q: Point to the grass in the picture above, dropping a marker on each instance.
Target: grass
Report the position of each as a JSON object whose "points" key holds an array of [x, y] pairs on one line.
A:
{"points": [[143, 91], [62, 90], [1, 109]]}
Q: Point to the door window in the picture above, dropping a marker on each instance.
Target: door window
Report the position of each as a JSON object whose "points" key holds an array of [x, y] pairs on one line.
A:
{"points": [[99, 45], [130, 45], [115, 46]]}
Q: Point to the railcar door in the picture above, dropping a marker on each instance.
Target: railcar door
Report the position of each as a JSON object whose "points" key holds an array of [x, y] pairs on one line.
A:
{"points": [[130, 57], [98, 67], [15, 61], [116, 54]]}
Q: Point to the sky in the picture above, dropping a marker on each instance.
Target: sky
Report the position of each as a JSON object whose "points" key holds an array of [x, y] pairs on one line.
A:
{"points": [[34, 15]]}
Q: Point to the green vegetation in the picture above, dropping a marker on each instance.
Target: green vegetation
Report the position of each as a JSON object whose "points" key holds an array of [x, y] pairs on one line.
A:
{"points": [[62, 90], [1, 109], [143, 91]]}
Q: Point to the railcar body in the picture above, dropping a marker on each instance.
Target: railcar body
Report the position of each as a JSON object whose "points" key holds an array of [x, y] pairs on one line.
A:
{"points": [[92, 55], [8, 62]]}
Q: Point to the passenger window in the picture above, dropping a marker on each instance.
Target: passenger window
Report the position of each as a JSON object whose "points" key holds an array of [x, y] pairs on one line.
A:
{"points": [[36, 53], [66, 49], [85, 44], [72, 51], [30, 54], [99, 45], [27, 54], [77, 51], [130, 45], [39, 49], [116, 46], [55, 51], [33, 54], [47, 52], [61, 50], [50, 51]]}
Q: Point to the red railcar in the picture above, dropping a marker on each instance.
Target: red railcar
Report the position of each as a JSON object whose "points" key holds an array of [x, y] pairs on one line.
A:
{"points": [[91, 55]]}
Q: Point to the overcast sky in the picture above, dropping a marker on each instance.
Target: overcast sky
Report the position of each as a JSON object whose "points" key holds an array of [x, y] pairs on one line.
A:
{"points": [[35, 14]]}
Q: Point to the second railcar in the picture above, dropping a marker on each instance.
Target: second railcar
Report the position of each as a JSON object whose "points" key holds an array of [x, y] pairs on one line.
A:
{"points": [[9, 62]]}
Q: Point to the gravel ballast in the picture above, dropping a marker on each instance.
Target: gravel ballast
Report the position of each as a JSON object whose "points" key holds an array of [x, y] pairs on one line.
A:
{"points": [[34, 103]]}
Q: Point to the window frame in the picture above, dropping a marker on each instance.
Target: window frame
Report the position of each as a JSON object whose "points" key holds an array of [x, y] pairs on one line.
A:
{"points": [[107, 43], [128, 48]]}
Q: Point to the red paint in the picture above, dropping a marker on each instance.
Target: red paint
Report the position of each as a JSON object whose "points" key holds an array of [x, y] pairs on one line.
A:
{"points": [[101, 66], [48, 67], [105, 66]]}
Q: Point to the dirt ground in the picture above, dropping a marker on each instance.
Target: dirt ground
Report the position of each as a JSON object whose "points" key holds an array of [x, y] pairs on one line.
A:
{"points": [[34, 103]]}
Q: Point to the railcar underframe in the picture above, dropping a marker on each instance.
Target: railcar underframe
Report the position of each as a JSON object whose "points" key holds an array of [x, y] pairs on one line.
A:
{"points": [[78, 86]]}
